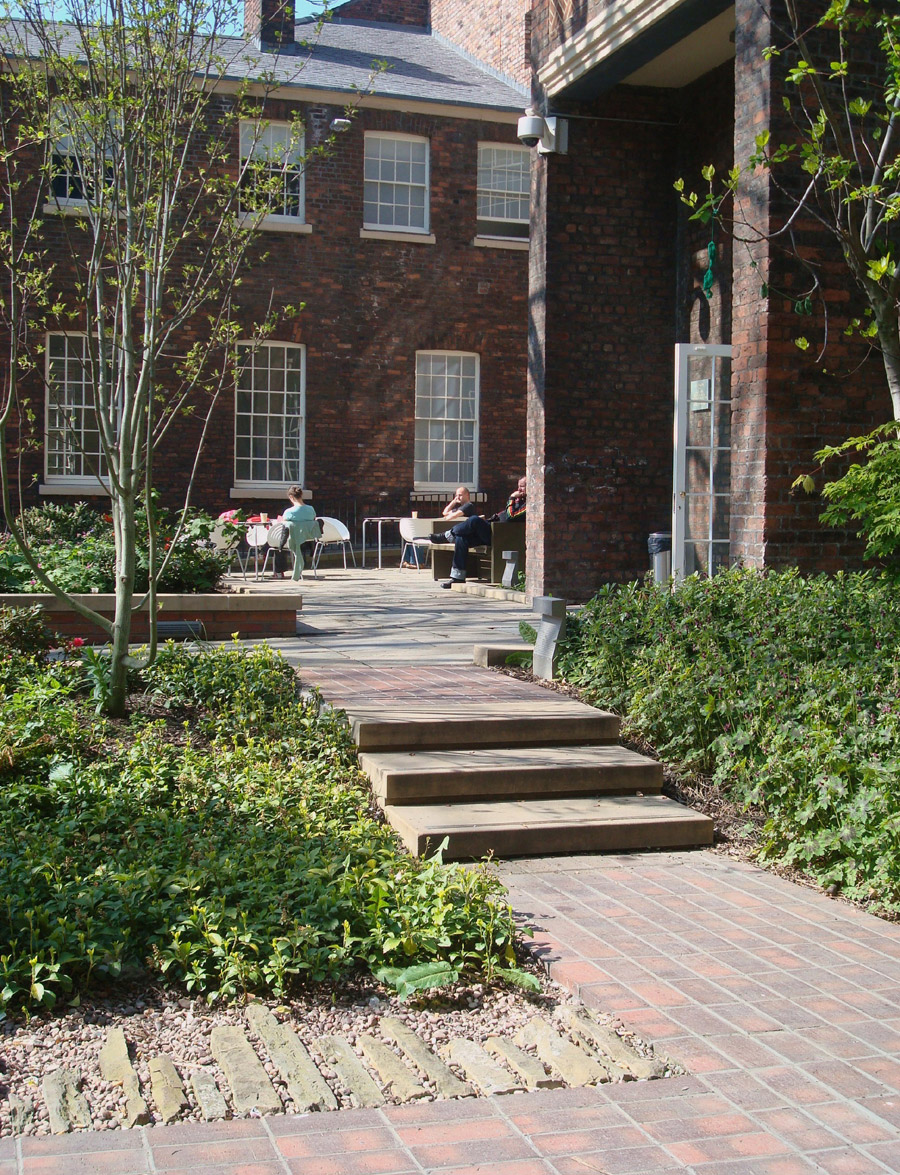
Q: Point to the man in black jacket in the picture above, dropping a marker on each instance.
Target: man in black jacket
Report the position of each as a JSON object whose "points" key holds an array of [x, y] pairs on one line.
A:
{"points": [[473, 530]]}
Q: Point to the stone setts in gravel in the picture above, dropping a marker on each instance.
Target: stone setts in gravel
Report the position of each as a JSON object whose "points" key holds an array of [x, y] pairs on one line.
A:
{"points": [[530, 1071], [486, 1075], [116, 1066], [96, 1066], [572, 1063]]}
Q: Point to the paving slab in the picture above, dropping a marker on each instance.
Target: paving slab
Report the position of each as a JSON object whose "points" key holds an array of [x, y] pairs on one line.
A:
{"points": [[639, 934]]}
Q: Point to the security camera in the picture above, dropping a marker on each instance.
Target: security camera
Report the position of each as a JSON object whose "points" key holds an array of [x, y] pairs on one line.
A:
{"points": [[530, 129], [547, 134]]}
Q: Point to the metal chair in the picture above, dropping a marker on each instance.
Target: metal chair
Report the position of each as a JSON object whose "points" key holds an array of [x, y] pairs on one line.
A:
{"points": [[416, 535], [333, 533]]}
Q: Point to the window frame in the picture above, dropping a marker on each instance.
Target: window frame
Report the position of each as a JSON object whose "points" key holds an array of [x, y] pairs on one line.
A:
{"points": [[400, 229], [61, 205], [449, 484], [96, 482], [254, 484], [483, 223], [287, 220]]}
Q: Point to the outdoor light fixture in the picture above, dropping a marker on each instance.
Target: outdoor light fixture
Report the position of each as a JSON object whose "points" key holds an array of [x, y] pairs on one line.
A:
{"points": [[340, 124]]}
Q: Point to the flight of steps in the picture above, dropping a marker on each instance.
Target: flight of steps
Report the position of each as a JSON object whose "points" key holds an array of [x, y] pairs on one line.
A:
{"points": [[533, 775]]}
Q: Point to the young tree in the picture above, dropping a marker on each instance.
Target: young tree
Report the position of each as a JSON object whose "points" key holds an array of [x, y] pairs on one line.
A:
{"points": [[840, 166], [119, 138]]}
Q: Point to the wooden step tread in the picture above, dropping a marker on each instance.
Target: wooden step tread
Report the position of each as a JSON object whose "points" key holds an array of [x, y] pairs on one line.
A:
{"points": [[507, 773], [447, 725], [541, 827]]}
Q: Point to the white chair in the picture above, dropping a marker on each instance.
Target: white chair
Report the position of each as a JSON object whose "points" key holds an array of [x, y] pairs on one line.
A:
{"points": [[333, 533], [257, 535], [416, 535], [226, 539]]}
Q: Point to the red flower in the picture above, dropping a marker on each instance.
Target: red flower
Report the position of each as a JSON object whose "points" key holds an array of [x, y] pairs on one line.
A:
{"points": [[76, 642]]}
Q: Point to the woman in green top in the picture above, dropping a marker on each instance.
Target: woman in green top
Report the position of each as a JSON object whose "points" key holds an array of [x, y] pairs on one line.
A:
{"points": [[304, 528]]}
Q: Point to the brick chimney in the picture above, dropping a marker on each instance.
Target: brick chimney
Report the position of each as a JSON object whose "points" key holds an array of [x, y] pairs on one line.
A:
{"points": [[269, 24]]}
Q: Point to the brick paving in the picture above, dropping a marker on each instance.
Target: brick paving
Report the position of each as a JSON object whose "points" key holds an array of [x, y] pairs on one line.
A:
{"points": [[781, 1003]]}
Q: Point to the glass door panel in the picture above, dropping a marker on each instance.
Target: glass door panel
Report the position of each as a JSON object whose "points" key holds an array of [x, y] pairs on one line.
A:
{"points": [[702, 475]]}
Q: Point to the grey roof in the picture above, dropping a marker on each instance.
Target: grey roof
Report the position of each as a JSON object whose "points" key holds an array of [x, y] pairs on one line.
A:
{"points": [[340, 57], [421, 67]]}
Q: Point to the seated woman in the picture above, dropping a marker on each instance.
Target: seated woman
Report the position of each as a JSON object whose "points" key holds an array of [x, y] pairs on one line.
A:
{"points": [[304, 528]]}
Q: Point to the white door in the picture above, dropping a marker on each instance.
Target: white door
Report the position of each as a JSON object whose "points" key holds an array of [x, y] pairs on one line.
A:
{"points": [[701, 510]]}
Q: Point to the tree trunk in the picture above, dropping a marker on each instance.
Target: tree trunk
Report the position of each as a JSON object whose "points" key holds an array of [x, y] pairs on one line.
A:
{"points": [[889, 342], [124, 524]]}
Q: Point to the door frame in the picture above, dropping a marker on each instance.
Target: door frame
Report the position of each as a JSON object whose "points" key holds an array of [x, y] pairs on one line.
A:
{"points": [[684, 352]]}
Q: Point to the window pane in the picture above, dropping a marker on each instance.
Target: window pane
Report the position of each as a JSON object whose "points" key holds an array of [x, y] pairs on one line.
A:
{"points": [[445, 421], [395, 189], [266, 418]]}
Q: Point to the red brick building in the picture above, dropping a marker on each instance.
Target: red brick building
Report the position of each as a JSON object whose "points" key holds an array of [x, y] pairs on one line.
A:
{"points": [[651, 91], [425, 322], [405, 373]]}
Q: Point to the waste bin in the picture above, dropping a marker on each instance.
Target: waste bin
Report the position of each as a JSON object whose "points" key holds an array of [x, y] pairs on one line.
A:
{"points": [[659, 544]]}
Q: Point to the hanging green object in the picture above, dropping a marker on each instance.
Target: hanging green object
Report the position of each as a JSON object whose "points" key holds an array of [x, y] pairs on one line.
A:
{"points": [[710, 276]]}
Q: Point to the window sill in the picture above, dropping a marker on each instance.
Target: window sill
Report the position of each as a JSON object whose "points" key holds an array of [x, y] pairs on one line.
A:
{"points": [[371, 234], [66, 208], [501, 243], [278, 224], [267, 492], [81, 489]]}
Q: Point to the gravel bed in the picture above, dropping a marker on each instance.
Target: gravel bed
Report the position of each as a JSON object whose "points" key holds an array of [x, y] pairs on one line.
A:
{"points": [[157, 1020]]}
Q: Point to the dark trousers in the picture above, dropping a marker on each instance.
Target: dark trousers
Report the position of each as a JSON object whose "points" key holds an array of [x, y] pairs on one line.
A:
{"points": [[471, 532]]}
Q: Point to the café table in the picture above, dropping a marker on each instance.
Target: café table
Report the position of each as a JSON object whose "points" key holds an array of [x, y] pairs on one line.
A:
{"points": [[380, 521], [257, 536]]}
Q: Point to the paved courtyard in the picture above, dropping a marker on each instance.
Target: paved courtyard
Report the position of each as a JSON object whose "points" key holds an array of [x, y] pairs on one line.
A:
{"points": [[780, 1002]]}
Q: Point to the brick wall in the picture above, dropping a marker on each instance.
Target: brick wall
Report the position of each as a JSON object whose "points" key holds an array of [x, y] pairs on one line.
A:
{"points": [[412, 12], [787, 405], [495, 31], [601, 345], [554, 23], [369, 306]]}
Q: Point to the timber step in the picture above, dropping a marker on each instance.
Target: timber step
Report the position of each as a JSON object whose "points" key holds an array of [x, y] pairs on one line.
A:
{"points": [[518, 769], [580, 824], [442, 725], [410, 777]]}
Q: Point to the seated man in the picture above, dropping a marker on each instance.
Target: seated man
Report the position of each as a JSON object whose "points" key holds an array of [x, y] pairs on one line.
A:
{"points": [[473, 530]]}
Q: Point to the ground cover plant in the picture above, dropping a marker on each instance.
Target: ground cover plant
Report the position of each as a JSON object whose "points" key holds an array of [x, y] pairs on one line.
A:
{"points": [[220, 836], [785, 690], [74, 545]]}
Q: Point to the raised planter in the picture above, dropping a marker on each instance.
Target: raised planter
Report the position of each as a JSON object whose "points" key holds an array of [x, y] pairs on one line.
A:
{"points": [[220, 616]]}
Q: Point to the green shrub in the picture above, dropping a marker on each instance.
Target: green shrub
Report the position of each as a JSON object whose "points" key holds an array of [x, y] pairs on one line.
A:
{"points": [[785, 689], [23, 631], [241, 856], [867, 497], [74, 546]]}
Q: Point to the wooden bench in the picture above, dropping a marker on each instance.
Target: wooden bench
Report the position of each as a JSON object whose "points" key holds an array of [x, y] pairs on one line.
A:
{"points": [[485, 563]]}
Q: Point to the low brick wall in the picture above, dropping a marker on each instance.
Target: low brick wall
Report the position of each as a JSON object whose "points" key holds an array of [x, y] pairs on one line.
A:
{"points": [[222, 616]]}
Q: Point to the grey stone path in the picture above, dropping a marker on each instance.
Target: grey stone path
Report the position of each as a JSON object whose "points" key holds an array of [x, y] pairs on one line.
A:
{"points": [[781, 1002]]}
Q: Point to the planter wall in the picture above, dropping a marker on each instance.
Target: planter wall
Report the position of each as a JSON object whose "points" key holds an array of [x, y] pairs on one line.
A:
{"points": [[222, 616]]}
